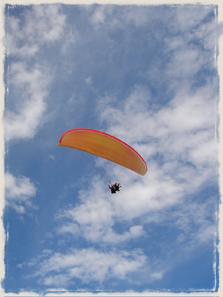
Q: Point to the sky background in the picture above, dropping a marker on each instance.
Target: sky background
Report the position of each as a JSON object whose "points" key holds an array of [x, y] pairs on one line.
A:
{"points": [[147, 75]]}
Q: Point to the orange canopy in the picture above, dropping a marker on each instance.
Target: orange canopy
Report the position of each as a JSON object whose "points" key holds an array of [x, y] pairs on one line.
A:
{"points": [[105, 146]]}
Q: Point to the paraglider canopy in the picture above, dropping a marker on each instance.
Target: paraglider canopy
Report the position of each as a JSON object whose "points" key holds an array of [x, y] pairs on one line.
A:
{"points": [[105, 146]]}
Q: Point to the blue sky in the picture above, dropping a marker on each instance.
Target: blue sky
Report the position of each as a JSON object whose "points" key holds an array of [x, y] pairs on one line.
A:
{"points": [[147, 75]]}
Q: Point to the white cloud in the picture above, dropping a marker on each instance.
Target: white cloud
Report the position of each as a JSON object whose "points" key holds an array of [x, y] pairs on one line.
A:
{"points": [[52, 157], [114, 238], [104, 15], [88, 80], [187, 18], [177, 131], [95, 217], [18, 193], [23, 122], [182, 133], [70, 228], [89, 265], [99, 15], [157, 275], [42, 24], [191, 49], [59, 280], [177, 140]]}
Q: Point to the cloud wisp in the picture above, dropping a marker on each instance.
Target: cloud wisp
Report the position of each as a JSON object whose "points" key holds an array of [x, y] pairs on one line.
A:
{"points": [[18, 193], [24, 122]]}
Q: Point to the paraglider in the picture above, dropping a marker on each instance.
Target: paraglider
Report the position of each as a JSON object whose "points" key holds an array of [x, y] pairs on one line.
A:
{"points": [[114, 188], [105, 146]]}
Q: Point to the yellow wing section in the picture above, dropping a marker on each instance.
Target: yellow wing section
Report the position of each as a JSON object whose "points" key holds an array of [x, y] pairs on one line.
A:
{"points": [[105, 146]]}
